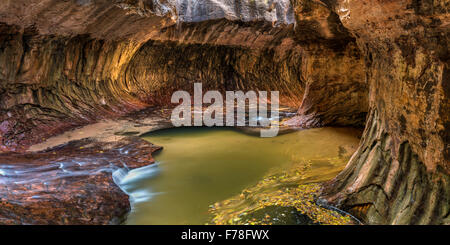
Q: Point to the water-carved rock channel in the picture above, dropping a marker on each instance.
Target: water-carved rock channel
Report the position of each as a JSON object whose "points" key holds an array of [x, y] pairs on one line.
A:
{"points": [[82, 80], [201, 166]]}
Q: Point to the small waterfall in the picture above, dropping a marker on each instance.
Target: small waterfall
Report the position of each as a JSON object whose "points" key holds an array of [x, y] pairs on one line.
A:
{"points": [[119, 175], [126, 180]]}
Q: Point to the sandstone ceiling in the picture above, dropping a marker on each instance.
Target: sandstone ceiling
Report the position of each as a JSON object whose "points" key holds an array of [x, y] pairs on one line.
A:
{"points": [[74, 62]]}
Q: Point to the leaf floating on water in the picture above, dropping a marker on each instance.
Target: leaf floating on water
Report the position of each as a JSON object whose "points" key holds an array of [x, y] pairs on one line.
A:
{"points": [[281, 189]]}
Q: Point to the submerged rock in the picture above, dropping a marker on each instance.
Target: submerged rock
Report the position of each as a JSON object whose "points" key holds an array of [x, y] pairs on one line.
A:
{"points": [[284, 196], [277, 215], [71, 184], [70, 179], [65, 64], [400, 173]]}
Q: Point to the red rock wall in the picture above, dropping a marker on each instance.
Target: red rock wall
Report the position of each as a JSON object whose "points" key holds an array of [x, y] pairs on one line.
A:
{"points": [[71, 63], [68, 63], [400, 173]]}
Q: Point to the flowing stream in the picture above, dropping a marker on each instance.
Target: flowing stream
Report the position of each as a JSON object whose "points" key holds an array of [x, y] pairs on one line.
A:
{"points": [[201, 166]]}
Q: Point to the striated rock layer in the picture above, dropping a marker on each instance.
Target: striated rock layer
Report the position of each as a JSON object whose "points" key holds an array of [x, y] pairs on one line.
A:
{"points": [[65, 64], [400, 173], [71, 178], [72, 184], [71, 63]]}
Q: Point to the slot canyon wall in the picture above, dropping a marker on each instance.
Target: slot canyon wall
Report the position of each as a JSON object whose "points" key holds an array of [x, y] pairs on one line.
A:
{"points": [[99, 59], [400, 173], [65, 64]]}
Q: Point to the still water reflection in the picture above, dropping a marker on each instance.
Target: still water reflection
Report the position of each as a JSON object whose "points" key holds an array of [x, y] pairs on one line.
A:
{"points": [[200, 166]]}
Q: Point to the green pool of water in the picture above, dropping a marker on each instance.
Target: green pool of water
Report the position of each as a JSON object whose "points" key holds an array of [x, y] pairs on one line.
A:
{"points": [[201, 166]]}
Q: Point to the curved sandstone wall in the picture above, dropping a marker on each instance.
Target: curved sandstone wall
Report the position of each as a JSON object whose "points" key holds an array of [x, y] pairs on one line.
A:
{"points": [[399, 175], [70, 63], [75, 62]]}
